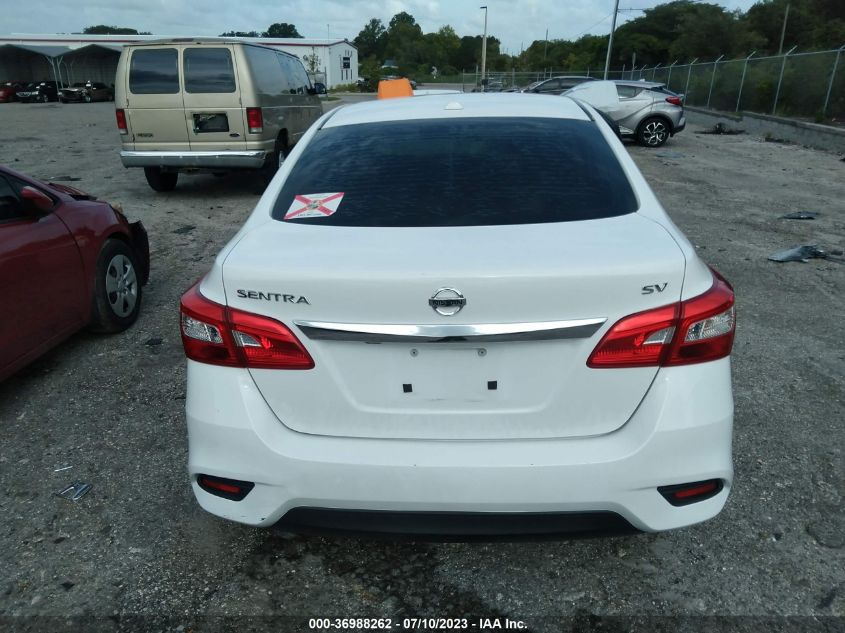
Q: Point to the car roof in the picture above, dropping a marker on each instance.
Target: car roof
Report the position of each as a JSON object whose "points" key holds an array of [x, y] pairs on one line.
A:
{"points": [[499, 104], [210, 41], [639, 84]]}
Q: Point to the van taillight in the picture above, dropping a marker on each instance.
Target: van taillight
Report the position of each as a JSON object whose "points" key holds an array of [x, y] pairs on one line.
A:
{"points": [[693, 331], [120, 115], [219, 335], [254, 120]]}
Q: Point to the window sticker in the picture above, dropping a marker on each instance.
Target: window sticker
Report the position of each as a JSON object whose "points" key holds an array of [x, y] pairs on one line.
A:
{"points": [[314, 205]]}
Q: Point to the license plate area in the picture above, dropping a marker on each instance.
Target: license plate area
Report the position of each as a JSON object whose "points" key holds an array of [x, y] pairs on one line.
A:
{"points": [[208, 123], [443, 373]]}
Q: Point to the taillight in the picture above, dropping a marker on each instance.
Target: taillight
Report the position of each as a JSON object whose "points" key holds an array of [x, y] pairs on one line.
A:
{"points": [[693, 331], [254, 120], [120, 115], [217, 335], [675, 101]]}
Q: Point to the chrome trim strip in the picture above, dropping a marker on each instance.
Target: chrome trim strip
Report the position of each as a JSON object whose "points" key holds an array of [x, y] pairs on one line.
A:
{"points": [[211, 159], [450, 333]]}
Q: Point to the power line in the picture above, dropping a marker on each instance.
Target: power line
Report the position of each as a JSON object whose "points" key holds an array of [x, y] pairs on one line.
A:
{"points": [[593, 26]]}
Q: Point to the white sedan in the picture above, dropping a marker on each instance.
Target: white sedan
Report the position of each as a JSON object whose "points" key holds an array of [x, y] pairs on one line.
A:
{"points": [[460, 315]]}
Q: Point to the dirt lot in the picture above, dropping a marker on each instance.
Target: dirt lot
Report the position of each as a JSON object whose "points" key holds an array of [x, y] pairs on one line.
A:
{"points": [[138, 544]]}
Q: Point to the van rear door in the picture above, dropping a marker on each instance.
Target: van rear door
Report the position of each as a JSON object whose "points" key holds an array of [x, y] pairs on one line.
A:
{"points": [[214, 114], [154, 108]]}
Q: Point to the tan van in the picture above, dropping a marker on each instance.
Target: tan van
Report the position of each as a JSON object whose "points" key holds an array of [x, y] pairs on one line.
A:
{"points": [[209, 105]]}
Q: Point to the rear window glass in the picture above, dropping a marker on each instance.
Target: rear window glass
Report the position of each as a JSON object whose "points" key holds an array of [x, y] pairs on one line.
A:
{"points": [[459, 172], [297, 77], [208, 70], [154, 71], [267, 75]]}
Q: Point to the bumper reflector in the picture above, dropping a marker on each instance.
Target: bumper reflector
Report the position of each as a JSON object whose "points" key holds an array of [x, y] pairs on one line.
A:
{"points": [[685, 494], [227, 488]]}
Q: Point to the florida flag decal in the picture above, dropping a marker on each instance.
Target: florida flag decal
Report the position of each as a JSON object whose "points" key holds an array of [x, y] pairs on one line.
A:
{"points": [[314, 205]]}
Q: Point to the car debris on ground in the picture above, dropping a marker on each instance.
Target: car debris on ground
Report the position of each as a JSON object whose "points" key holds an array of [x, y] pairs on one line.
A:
{"points": [[805, 253], [721, 128], [801, 215], [75, 491]]}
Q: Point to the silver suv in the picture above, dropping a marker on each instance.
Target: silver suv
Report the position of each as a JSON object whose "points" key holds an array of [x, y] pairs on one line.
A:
{"points": [[645, 111]]}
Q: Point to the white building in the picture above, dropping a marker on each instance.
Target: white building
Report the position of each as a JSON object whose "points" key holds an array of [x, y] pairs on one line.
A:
{"points": [[73, 58]]}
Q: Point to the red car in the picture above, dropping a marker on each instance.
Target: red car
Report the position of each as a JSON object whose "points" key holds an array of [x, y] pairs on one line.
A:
{"points": [[9, 90], [67, 261]]}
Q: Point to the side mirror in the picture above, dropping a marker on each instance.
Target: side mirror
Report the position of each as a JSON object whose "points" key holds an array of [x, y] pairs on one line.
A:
{"points": [[37, 200], [320, 88]]}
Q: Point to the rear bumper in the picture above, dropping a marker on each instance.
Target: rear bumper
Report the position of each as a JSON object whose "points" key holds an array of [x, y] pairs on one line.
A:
{"points": [[248, 159], [445, 526], [680, 126], [680, 433]]}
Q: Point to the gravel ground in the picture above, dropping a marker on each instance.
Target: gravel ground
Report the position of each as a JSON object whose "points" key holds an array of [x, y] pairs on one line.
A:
{"points": [[139, 546]]}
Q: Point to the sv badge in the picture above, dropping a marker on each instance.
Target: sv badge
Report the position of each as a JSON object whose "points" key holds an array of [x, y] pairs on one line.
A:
{"points": [[647, 290]]}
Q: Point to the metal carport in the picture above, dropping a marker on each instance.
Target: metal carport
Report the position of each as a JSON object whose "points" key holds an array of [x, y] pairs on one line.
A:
{"points": [[24, 62], [95, 62]]}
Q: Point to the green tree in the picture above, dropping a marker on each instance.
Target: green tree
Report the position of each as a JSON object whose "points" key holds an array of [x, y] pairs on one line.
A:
{"points": [[103, 29], [405, 42], [371, 40], [311, 62], [281, 29], [241, 34]]}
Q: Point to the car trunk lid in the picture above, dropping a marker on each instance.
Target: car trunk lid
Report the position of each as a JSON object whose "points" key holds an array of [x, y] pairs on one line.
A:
{"points": [[560, 279]]}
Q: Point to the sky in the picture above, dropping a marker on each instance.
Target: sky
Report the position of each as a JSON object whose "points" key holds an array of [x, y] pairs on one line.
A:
{"points": [[515, 22]]}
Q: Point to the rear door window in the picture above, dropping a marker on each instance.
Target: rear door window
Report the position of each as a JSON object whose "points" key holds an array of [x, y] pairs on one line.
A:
{"points": [[626, 92], [208, 70], [154, 71], [267, 76], [297, 77], [459, 172]]}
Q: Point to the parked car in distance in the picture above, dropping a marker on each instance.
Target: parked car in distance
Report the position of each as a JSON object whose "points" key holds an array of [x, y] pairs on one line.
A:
{"points": [[245, 105], [67, 261], [87, 91], [647, 112], [9, 90], [42, 91], [492, 85], [556, 85], [374, 358]]}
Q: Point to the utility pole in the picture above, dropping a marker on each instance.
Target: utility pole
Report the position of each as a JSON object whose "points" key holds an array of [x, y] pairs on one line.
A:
{"points": [[484, 49], [783, 30], [546, 47], [610, 41]]}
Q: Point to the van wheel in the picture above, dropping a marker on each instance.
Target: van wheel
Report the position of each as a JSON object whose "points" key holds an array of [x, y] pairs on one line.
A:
{"points": [[161, 180], [275, 160]]}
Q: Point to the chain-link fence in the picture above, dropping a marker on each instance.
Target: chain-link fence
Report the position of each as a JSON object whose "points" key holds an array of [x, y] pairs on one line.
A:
{"points": [[806, 85]]}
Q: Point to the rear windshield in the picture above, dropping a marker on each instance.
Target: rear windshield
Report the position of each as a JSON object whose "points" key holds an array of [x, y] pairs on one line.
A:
{"points": [[456, 172], [154, 71], [208, 70]]}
